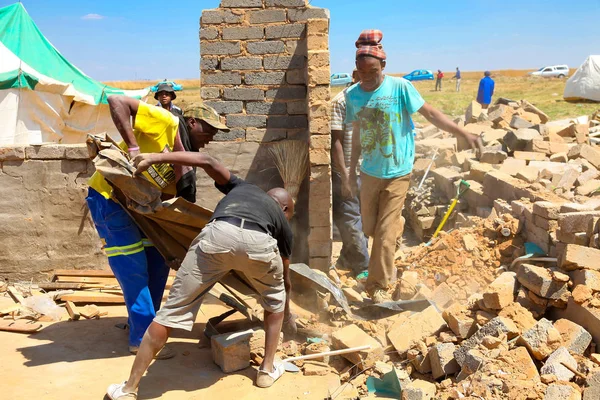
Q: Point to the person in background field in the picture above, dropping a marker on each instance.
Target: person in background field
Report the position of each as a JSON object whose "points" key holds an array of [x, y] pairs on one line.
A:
{"points": [[346, 206], [438, 80], [457, 77], [138, 266], [165, 96], [379, 108], [486, 90], [249, 233]]}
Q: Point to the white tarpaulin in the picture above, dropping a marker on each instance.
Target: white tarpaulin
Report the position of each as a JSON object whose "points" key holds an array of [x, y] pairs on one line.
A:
{"points": [[585, 82]]}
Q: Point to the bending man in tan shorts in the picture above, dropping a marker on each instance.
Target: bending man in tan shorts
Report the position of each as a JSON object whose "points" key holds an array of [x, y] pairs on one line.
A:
{"points": [[249, 233]]}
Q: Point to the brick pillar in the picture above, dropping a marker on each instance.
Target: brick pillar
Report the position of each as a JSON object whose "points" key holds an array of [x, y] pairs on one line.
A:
{"points": [[261, 71], [318, 97]]}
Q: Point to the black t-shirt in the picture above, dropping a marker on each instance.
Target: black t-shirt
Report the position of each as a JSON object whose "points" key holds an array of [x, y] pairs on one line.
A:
{"points": [[248, 201]]}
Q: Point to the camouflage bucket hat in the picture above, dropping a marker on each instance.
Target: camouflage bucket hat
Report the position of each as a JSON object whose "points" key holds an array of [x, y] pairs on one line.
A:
{"points": [[206, 114]]}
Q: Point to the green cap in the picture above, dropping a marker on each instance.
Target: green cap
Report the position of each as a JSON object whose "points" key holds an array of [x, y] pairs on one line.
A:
{"points": [[206, 114]]}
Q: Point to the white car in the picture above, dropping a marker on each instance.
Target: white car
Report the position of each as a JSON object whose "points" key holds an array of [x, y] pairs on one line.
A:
{"points": [[553, 71]]}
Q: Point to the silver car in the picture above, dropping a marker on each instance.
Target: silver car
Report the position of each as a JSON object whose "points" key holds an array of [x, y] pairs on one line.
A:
{"points": [[553, 71]]}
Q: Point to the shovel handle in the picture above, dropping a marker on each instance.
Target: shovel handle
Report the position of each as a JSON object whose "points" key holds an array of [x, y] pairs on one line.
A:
{"points": [[328, 353]]}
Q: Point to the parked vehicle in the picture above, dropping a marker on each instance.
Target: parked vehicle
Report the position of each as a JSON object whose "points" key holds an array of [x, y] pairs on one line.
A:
{"points": [[553, 71], [342, 79], [419, 75]]}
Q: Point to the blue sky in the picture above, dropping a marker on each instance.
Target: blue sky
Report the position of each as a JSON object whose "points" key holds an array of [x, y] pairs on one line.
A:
{"points": [[151, 39]]}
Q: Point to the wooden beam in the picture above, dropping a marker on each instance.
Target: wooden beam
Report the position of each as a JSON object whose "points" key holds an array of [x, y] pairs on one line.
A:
{"points": [[90, 311], [72, 310], [16, 295], [93, 297]]}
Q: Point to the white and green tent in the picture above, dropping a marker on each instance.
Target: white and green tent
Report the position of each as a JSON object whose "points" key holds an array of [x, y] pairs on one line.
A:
{"points": [[43, 97]]}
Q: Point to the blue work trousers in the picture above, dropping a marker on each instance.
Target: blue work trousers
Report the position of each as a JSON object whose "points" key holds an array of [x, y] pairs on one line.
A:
{"points": [[346, 216], [139, 268]]}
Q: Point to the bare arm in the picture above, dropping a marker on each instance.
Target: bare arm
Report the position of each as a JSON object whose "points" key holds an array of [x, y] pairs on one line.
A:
{"points": [[123, 110], [440, 120], [212, 167], [287, 283], [356, 149], [337, 149]]}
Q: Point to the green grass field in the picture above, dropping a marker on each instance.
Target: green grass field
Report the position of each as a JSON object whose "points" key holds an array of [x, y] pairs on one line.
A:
{"points": [[545, 93]]}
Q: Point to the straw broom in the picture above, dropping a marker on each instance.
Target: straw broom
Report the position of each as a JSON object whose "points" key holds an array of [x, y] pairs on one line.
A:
{"points": [[291, 159]]}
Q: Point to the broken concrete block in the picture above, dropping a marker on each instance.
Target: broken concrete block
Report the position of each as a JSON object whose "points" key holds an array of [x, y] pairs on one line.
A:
{"points": [[353, 336], [576, 221], [353, 296], [527, 106], [512, 166], [442, 296], [404, 334], [585, 151], [528, 174], [316, 368], [582, 294], [574, 337], [529, 156], [561, 391], [554, 167], [541, 340], [421, 362], [458, 319], [496, 327], [474, 360], [578, 238], [587, 176], [559, 157], [473, 111], [592, 392], [540, 281], [579, 257], [501, 292], [553, 365], [500, 112], [593, 185], [566, 180], [586, 277], [492, 156], [444, 180], [442, 360], [231, 351], [522, 317], [546, 209], [478, 170], [582, 314], [518, 122], [418, 390]]}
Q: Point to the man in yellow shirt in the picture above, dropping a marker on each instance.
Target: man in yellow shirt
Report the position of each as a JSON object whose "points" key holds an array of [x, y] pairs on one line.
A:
{"points": [[140, 269]]}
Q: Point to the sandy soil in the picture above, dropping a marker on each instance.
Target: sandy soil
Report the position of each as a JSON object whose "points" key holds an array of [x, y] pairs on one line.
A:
{"points": [[79, 359]]}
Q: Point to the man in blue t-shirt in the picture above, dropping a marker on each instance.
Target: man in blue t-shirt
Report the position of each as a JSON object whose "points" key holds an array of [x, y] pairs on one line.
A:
{"points": [[486, 90], [380, 109]]}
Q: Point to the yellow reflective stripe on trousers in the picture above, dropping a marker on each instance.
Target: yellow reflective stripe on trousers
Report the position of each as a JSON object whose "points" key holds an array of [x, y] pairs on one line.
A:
{"points": [[124, 250], [147, 242]]}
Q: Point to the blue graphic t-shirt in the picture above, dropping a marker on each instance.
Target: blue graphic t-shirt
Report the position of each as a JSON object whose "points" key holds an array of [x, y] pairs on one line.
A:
{"points": [[386, 128]]}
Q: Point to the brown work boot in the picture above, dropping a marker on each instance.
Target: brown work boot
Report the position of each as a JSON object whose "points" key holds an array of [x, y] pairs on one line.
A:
{"points": [[380, 296]]}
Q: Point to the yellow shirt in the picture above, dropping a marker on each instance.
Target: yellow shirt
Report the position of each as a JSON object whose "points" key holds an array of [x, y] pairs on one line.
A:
{"points": [[155, 130]]}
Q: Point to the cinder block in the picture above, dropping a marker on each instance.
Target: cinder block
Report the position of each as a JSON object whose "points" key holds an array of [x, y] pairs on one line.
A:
{"points": [[296, 107], [264, 78], [209, 64], [269, 47], [244, 121], [442, 360], [45, 152], [265, 108], [561, 391], [574, 337], [226, 107], [265, 135], [243, 94], [241, 63], [266, 16], [231, 351], [353, 336], [496, 327], [209, 33], [576, 221], [579, 257], [287, 93], [220, 48], [287, 122], [221, 78], [418, 390], [285, 31], [243, 33], [241, 3], [541, 340], [554, 365], [308, 13], [284, 62], [501, 292], [217, 16], [540, 281], [404, 334], [286, 3], [296, 77], [209, 93]]}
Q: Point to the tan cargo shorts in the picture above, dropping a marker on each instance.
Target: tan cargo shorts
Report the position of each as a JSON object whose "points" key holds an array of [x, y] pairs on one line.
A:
{"points": [[218, 249]]}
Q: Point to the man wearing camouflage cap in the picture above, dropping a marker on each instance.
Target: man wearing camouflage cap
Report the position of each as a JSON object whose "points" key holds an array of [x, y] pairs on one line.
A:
{"points": [[140, 269]]}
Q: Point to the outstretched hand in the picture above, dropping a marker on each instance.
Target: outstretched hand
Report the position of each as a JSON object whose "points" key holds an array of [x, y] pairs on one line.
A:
{"points": [[475, 143], [142, 162]]}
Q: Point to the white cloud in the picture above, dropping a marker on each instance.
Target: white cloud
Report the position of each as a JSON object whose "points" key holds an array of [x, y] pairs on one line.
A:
{"points": [[93, 16]]}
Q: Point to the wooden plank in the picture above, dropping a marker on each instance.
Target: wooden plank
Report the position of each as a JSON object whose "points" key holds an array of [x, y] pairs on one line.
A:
{"points": [[10, 310], [86, 279], [20, 326], [84, 272], [90, 311], [93, 297], [60, 285], [72, 310], [16, 295]]}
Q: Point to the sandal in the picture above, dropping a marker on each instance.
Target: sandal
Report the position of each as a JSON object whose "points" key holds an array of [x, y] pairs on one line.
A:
{"points": [[265, 379], [164, 354], [115, 392]]}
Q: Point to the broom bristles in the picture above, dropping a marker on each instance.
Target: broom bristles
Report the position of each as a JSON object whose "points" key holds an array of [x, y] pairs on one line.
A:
{"points": [[291, 159]]}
